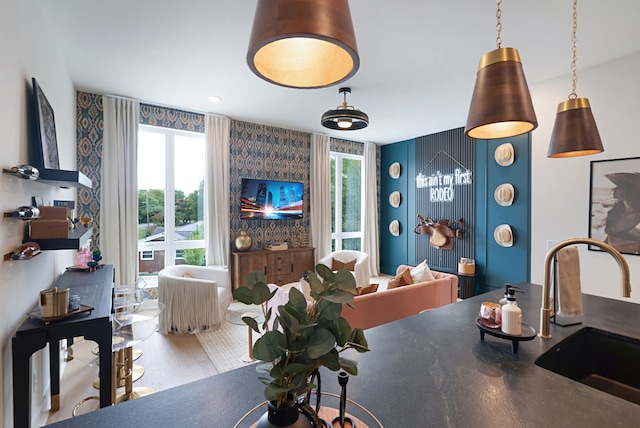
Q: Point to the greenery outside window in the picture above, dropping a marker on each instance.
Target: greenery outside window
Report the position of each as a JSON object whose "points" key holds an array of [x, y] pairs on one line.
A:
{"points": [[170, 197], [347, 208]]}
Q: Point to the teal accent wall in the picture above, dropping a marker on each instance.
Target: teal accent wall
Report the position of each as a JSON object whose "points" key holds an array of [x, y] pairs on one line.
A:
{"points": [[497, 265], [396, 250]]}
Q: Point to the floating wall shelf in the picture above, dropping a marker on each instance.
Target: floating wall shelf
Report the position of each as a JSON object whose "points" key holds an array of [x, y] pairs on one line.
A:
{"points": [[59, 177], [75, 240]]}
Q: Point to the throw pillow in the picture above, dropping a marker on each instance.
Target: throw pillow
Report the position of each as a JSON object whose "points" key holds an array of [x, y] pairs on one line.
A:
{"points": [[187, 275], [339, 264], [403, 278], [371, 288], [421, 273], [427, 275]]}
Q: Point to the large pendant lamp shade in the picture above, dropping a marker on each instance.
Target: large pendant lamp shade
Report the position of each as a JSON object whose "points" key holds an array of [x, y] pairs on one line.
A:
{"points": [[501, 105], [303, 43], [574, 132]]}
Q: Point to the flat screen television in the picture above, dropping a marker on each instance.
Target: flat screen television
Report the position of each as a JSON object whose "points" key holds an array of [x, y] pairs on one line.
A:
{"points": [[270, 199]]}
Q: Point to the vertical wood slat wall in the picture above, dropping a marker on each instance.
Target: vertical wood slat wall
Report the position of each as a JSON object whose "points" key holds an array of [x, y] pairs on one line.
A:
{"points": [[445, 152]]}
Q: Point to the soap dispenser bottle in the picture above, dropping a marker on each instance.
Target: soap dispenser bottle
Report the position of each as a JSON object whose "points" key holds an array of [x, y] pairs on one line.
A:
{"points": [[511, 315]]}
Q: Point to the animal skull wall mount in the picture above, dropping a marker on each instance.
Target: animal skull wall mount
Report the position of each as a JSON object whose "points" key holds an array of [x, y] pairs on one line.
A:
{"points": [[442, 232]]}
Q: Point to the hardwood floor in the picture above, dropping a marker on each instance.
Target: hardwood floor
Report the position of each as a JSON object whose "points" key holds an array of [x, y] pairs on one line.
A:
{"points": [[168, 361]]}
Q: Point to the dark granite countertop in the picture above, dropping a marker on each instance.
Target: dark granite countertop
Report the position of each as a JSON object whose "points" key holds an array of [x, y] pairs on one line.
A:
{"points": [[427, 370]]}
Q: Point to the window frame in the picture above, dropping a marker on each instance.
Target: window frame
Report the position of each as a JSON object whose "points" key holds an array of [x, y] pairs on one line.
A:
{"points": [[337, 236]]}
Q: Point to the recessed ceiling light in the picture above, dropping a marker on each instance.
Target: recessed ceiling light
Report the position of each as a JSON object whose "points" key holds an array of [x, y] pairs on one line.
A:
{"points": [[215, 99]]}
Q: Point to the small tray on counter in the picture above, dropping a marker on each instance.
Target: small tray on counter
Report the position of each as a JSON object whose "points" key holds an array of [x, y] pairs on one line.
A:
{"points": [[37, 314], [77, 268], [528, 333]]}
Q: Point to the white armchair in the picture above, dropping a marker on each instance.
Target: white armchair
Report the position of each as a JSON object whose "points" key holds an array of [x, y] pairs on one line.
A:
{"points": [[196, 298], [361, 270]]}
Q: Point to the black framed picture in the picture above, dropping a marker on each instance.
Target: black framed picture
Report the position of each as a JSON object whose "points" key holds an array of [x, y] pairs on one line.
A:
{"points": [[46, 130], [614, 203]]}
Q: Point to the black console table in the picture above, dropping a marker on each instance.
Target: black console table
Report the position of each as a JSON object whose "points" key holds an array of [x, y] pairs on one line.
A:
{"points": [[95, 290]]}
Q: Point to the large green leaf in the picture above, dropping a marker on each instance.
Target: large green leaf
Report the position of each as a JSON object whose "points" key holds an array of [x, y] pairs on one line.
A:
{"points": [[349, 366], [329, 310], [345, 280], [331, 360], [243, 294], [297, 300], [260, 293], [324, 272], [251, 322], [339, 296], [358, 341], [341, 330], [315, 285], [320, 342], [270, 346], [255, 277]]}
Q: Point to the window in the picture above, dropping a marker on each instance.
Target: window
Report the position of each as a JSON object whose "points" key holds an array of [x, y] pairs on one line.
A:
{"points": [[346, 201], [146, 255], [171, 195]]}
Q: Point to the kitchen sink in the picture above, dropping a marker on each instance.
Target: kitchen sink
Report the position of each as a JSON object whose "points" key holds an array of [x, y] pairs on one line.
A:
{"points": [[601, 359]]}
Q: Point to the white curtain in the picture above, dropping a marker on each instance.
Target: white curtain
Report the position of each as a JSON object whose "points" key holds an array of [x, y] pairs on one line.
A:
{"points": [[371, 227], [320, 197], [216, 190], [119, 188]]}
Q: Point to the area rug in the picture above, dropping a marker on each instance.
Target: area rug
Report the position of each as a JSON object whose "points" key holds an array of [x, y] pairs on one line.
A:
{"points": [[226, 345]]}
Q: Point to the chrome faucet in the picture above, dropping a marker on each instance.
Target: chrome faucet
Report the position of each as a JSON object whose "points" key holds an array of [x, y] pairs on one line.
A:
{"points": [[545, 310]]}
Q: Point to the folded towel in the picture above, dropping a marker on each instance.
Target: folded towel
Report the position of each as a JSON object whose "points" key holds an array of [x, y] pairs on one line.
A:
{"points": [[569, 288]]}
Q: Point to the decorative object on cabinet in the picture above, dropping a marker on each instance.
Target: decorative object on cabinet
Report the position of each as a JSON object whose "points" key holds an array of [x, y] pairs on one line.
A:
{"points": [[501, 104], [345, 117], [504, 154], [442, 232], [281, 267], [395, 170], [243, 241], [395, 199], [394, 228], [504, 194], [503, 235], [615, 205]]}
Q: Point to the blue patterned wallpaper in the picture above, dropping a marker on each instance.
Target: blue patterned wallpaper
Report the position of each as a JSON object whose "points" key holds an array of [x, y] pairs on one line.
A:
{"points": [[256, 151]]}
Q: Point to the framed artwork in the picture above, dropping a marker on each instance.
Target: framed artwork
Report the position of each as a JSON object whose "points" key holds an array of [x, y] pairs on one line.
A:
{"points": [[614, 203], [46, 129]]}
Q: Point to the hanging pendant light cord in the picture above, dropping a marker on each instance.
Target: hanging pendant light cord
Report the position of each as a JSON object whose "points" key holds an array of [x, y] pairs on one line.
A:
{"points": [[499, 24], [574, 59]]}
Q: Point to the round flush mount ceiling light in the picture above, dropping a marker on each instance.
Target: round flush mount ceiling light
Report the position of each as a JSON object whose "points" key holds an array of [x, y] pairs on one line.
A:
{"points": [[345, 117], [214, 99], [303, 43]]}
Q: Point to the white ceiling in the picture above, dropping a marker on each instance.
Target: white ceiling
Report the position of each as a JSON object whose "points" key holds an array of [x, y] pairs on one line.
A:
{"points": [[418, 58]]}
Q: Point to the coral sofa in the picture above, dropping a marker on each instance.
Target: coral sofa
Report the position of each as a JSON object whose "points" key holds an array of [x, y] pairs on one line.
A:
{"points": [[385, 306]]}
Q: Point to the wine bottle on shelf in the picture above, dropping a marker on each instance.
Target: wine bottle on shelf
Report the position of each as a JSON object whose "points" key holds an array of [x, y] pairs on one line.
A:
{"points": [[25, 213]]}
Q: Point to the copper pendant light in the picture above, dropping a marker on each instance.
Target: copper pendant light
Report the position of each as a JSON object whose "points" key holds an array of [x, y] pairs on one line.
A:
{"points": [[574, 132], [501, 105], [303, 43], [345, 117]]}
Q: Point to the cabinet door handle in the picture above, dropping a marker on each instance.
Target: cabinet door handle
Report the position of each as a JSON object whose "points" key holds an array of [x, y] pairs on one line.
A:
{"points": [[265, 271], [291, 267]]}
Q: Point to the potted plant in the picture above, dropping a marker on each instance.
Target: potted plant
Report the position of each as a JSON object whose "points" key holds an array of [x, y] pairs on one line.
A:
{"points": [[304, 336]]}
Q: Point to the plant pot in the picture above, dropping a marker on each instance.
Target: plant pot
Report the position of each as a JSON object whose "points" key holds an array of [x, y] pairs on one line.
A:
{"points": [[287, 416]]}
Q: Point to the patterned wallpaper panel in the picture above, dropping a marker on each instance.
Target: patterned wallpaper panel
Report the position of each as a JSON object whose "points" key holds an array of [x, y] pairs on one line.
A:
{"points": [[257, 151], [89, 131], [266, 152]]}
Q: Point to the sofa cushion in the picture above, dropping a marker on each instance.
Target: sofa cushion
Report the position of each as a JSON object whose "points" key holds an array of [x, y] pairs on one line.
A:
{"points": [[421, 273], [371, 288], [403, 278], [339, 264]]}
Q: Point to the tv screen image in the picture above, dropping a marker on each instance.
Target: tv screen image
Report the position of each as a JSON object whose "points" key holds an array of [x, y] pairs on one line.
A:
{"points": [[270, 199]]}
